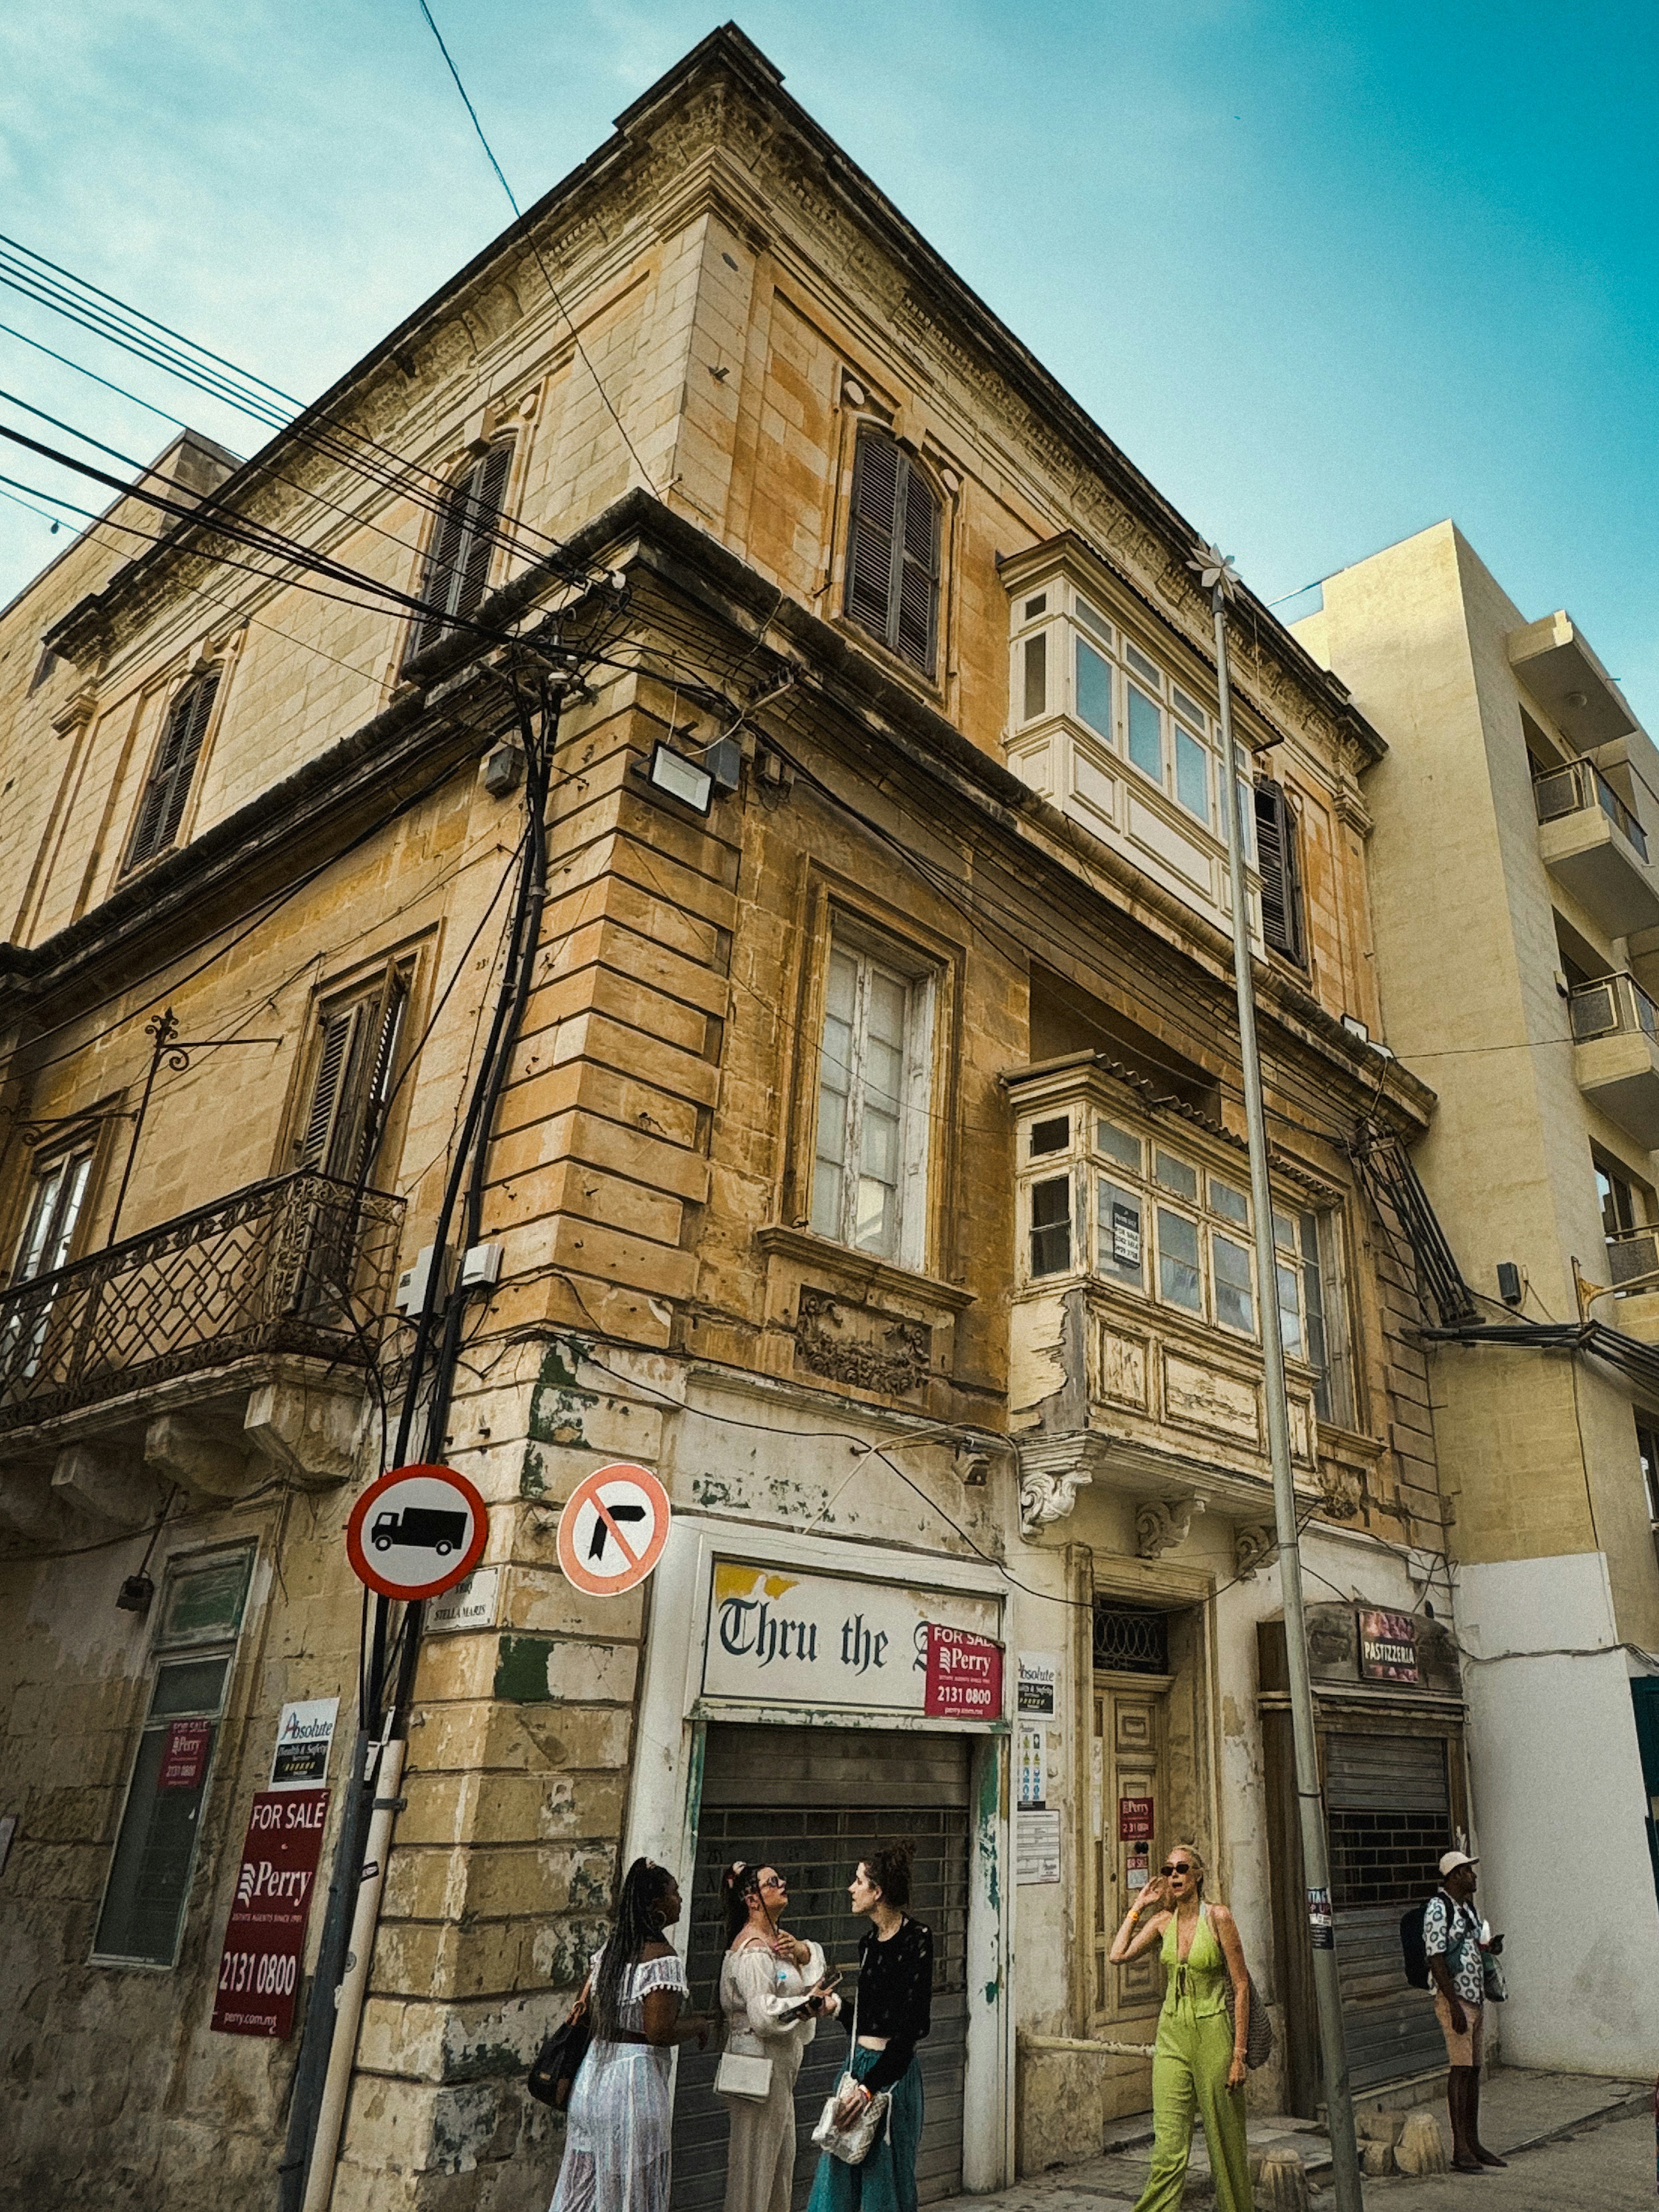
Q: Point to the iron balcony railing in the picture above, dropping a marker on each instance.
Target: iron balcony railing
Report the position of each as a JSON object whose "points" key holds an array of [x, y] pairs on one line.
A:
{"points": [[1579, 786], [1611, 1005], [304, 1264]]}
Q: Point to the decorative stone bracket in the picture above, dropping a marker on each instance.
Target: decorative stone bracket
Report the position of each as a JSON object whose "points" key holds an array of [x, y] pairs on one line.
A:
{"points": [[1255, 1544], [1164, 1525]]}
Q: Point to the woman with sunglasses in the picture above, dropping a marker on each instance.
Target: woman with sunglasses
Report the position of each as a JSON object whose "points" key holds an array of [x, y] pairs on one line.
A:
{"points": [[1198, 2065], [771, 1995]]}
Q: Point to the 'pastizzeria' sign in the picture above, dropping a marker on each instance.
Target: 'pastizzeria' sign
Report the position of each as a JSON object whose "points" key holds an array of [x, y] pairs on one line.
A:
{"points": [[823, 1641]]}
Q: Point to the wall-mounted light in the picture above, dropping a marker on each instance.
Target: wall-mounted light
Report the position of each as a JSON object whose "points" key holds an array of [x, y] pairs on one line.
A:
{"points": [[1510, 1288], [688, 780]]}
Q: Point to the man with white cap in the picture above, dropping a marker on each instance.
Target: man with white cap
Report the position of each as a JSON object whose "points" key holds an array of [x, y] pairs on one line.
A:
{"points": [[1451, 1941]]}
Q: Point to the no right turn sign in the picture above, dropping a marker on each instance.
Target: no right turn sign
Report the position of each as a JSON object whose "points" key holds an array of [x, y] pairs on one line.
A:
{"points": [[612, 1532]]}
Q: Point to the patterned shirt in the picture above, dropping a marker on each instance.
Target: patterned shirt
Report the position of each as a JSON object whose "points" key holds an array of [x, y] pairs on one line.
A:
{"points": [[1454, 1931]]}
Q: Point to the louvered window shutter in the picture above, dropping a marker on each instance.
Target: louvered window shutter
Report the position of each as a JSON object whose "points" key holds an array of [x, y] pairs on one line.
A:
{"points": [[893, 552], [353, 1083], [329, 1086], [1281, 873], [458, 567], [916, 616], [874, 528], [162, 807]]}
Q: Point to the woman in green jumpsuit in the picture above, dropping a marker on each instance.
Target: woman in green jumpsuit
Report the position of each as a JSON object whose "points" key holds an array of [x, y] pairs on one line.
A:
{"points": [[1198, 2067]]}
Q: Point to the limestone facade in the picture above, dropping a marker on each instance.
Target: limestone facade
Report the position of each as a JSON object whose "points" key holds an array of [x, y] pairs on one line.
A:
{"points": [[773, 1179], [1514, 809]]}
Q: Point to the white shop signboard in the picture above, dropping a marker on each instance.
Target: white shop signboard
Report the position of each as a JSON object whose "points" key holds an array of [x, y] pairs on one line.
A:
{"points": [[827, 1643]]}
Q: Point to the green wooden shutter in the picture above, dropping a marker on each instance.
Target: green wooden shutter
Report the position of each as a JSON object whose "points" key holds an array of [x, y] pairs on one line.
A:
{"points": [[162, 807], [1281, 873], [873, 531]]}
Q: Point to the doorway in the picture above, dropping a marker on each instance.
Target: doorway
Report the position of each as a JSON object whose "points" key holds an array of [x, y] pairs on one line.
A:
{"points": [[813, 1802]]}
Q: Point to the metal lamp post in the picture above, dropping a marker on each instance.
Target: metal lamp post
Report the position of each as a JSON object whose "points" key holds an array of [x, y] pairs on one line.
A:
{"points": [[1215, 571]]}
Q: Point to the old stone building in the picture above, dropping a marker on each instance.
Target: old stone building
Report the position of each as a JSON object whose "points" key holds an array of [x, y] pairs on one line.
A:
{"points": [[870, 1168]]}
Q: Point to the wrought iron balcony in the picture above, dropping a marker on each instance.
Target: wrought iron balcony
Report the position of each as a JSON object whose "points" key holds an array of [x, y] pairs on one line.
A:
{"points": [[1615, 1030], [303, 1264], [1593, 844]]}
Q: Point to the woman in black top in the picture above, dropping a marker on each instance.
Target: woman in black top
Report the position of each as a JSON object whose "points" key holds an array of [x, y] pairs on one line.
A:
{"points": [[893, 2011]]}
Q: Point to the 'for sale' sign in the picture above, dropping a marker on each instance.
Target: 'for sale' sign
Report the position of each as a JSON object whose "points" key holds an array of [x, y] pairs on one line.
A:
{"points": [[964, 1675], [266, 1935]]}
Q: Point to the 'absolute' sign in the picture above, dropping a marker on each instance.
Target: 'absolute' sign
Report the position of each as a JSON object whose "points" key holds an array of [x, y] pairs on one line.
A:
{"points": [[266, 1935]]}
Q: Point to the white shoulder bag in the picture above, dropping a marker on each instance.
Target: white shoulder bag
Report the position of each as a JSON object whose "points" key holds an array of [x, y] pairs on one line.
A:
{"points": [[851, 2141], [745, 2077]]}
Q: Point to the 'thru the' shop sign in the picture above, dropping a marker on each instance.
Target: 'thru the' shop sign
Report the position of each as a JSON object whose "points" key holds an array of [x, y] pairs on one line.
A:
{"points": [[829, 1641]]}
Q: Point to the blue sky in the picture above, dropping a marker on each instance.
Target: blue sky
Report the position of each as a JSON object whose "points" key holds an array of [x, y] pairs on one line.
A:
{"points": [[1327, 273]]}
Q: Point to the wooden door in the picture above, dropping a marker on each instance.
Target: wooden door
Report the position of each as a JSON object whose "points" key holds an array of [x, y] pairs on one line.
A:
{"points": [[1128, 1789]]}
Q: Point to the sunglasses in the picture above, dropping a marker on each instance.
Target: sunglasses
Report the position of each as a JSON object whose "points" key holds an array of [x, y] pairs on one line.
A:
{"points": [[1176, 1866], [774, 1881]]}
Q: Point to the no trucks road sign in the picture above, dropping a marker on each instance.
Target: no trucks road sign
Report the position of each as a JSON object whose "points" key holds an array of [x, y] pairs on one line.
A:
{"points": [[417, 1532], [612, 1531]]}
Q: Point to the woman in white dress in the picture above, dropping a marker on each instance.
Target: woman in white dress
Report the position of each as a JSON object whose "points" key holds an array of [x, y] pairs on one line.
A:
{"points": [[617, 2144], [771, 1998]]}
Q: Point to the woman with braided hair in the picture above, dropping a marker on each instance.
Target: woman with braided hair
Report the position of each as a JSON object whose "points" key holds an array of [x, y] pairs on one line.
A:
{"points": [[616, 2146]]}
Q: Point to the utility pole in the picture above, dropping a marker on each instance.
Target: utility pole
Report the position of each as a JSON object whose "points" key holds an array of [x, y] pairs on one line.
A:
{"points": [[1219, 578]]}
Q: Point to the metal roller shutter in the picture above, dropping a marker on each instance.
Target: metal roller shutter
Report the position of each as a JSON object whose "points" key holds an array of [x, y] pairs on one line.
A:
{"points": [[813, 1802], [1389, 1809]]}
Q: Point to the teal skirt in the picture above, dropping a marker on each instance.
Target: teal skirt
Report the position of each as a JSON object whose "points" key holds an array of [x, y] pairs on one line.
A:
{"points": [[886, 2182]]}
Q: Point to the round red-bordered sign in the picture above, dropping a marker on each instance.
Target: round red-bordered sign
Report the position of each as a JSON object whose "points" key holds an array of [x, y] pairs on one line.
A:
{"points": [[417, 1532], [612, 1529]]}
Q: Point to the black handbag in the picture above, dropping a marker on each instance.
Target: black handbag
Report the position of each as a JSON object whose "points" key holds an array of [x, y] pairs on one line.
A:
{"points": [[559, 2061]]}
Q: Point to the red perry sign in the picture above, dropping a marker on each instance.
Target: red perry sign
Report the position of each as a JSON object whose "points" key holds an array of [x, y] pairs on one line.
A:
{"points": [[964, 1675], [266, 1935], [417, 1532]]}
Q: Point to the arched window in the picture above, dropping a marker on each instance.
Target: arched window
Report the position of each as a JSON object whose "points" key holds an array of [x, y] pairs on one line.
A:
{"points": [[892, 552], [458, 564], [162, 806]]}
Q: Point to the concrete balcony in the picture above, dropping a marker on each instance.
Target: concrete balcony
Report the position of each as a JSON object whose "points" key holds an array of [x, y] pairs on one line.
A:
{"points": [[1615, 1030], [1633, 1261], [1596, 848], [218, 1350]]}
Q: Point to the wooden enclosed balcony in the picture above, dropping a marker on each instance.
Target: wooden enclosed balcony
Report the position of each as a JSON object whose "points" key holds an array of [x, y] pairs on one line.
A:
{"points": [[1593, 845], [1615, 1031], [219, 1349]]}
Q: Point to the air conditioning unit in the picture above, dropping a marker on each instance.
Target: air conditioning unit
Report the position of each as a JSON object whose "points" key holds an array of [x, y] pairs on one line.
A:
{"points": [[1632, 1257], [1595, 1012]]}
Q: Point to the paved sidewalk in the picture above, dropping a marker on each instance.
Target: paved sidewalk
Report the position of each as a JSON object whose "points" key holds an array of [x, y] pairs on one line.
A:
{"points": [[1579, 2140]]}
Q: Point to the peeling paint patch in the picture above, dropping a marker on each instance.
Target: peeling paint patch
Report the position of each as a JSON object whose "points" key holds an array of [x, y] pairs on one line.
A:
{"points": [[521, 1664], [709, 1490], [532, 1476], [990, 1804]]}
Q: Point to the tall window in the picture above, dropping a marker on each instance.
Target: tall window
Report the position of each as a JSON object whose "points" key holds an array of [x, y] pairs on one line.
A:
{"points": [[457, 571], [56, 1195], [1647, 1446], [1283, 922], [149, 1875], [870, 1164], [355, 1068], [162, 806], [1310, 1307], [893, 551]]}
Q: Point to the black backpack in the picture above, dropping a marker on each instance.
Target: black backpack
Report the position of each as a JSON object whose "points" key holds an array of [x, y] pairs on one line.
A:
{"points": [[1411, 1945]]}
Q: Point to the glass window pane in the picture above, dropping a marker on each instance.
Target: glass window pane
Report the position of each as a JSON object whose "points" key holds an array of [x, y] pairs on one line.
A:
{"points": [[1122, 1248], [1148, 670], [1051, 1136], [1235, 1308], [1036, 606], [1051, 1226], [1246, 804], [1225, 1200], [1091, 618], [1036, 675], [1118, 1145], [1145, 735], [205, 1602], [1094, 689], [150, 1874], [1174, 1174], [1192, 775], [1187, 705], [189, 1686], [1284, 1232], [1289, 1312], [1178, 1278], [827, 1195]]}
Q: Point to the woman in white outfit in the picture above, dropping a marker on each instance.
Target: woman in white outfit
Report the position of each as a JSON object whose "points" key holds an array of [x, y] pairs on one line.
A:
{"points": [[617, 2144], [771, 1999]]}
